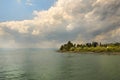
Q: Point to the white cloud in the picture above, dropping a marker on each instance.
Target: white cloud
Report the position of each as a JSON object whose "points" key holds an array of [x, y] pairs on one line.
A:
{"points": [[76, 20], [69, 27], [29, 3], [35, 32]]}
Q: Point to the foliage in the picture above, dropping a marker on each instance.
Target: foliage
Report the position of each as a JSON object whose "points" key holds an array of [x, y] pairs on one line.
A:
{"points": [[90, 47]]}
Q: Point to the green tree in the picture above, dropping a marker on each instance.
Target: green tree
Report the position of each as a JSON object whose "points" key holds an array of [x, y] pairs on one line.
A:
{"points": [[94, 44]]}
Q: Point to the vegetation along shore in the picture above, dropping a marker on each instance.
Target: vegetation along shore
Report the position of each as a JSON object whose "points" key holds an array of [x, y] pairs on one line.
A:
{"points": [[93, 47]]}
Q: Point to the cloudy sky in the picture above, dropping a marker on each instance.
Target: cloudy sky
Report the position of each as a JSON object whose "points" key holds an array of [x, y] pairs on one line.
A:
{"points": [[49, 23]]}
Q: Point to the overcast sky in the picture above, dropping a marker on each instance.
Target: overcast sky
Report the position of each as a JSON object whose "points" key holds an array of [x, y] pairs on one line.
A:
{"points": [[49, 23]]}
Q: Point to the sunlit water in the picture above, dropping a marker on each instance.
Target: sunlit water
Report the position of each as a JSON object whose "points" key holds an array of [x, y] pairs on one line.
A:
{"points": [[38, 64]]}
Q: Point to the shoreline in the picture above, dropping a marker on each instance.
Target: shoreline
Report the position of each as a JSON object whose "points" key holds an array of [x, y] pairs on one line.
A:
{"points": [[89, 52]]}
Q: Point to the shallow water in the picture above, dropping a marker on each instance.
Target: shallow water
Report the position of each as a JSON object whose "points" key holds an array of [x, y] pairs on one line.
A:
{"points": [[46, 64]]}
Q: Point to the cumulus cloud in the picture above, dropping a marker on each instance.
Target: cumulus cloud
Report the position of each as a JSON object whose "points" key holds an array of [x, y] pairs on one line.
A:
{"points": [[76, 20]]}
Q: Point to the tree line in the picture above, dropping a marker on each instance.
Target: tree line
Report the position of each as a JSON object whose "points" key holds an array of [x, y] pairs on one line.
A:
{"points": [[93, 46]]}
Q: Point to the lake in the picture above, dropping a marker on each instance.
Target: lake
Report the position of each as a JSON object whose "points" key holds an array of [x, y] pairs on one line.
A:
{"points": [[47, 64]]}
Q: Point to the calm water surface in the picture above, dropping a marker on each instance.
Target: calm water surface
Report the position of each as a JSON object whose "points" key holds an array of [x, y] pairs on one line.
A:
{"points": [[38, 64]]}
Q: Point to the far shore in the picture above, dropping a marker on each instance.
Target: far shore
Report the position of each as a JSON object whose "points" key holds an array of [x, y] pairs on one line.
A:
{"points": [[91, 48]]}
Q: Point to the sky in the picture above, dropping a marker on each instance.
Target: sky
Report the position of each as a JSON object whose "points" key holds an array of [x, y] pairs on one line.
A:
{"points": [[50, 23], [22, 9]]}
